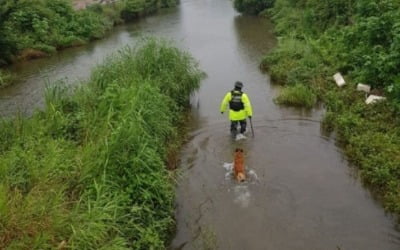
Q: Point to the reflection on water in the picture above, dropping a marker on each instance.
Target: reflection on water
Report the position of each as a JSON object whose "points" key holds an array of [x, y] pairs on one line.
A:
{"points": [[251, 41]]}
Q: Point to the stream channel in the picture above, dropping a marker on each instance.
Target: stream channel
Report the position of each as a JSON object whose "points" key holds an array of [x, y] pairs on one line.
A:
{"points": [[301, 193]]}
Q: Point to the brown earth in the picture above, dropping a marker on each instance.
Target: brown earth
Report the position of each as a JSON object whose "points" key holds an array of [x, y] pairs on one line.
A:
{"points": [[28, 54]]}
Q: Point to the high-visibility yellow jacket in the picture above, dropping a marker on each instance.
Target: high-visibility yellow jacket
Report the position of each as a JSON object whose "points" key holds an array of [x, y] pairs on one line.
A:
{"points": [[237, 115]]}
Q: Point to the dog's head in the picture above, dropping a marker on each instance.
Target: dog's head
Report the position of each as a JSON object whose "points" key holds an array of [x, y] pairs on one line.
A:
{"points": [[238, 151], [240, 177]]}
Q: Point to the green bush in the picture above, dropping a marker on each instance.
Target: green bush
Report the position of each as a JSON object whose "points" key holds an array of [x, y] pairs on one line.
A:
{"points": [[89, 172], [89, 25], [137, 8], [169, 3], [47, 24], [5, 78], [361, 40], [252, 7], [297, 95]]}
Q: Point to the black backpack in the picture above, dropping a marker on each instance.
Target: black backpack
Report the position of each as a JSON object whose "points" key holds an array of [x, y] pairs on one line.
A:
{"points": [[236, 103]]}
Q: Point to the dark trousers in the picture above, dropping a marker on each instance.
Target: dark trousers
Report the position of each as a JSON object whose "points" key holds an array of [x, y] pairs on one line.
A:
{"points": [[234, 125]]}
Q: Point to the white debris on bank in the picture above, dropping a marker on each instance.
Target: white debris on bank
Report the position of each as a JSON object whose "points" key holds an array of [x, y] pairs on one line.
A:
{"points": [[339, 79], [371, 99], [363, 87], [374, 98]]}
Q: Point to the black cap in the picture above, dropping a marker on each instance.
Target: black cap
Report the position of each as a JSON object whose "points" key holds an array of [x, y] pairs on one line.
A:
{"points": [[238, 85]]}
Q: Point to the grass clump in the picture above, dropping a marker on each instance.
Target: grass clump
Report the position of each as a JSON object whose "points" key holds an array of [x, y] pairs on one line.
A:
{"points": [[253, 7], [297, 95], [318, 39], [5, 78], [90, 172], [370, 137]]}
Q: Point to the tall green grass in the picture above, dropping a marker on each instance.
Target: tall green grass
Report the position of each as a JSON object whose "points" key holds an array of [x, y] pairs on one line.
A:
{"points": [[89, 172], [297, 95], [342, 36], [5, 78]]}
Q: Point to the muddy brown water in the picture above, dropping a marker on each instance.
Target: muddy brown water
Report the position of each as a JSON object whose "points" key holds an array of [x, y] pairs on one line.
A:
{"points": [[301, 192]]}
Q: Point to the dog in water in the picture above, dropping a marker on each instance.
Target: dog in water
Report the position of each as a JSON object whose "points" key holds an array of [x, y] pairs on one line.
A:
{"points": [[238, 165]]}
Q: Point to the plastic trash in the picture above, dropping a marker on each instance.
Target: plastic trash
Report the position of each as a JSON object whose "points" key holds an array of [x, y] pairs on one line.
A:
{"points": [[363, 87], [374, 98], [339, 79]]}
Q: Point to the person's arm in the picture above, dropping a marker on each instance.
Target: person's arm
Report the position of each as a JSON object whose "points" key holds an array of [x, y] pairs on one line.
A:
{"points": [[247, 105], [224, 102]]}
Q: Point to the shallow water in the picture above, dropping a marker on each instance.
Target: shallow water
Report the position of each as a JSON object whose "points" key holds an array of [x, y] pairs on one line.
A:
{"points": [[300, 193]]}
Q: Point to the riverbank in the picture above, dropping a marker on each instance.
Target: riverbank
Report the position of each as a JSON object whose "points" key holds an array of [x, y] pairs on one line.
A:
{"points": [[89, 171], [35, 29], [327, 39]]}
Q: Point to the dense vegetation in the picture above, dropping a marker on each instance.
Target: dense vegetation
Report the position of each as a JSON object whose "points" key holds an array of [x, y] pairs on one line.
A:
{"points": [[297, 95], [35, 28], [5, 78], [90, 172], [252, 7], [136, 8], [360, 39], [30, 29]]}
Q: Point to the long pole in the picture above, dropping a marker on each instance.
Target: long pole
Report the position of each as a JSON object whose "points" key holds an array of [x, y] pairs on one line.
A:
{"points": [[251, 125]]}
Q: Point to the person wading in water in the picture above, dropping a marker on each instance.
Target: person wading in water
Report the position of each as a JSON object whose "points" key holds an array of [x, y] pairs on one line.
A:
{"points": [[239, 108]]}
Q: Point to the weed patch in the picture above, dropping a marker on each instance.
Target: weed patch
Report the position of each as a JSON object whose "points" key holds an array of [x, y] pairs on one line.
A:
{"points": [[360, 40], [5, 78], [297, 95], [90, 171]]}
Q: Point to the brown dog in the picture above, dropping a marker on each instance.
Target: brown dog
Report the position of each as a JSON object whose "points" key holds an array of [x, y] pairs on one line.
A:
{"points": [[238, 165]]}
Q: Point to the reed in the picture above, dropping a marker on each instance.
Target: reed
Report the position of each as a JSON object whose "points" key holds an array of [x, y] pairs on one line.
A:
{"points": [[297, 95], [89, 172]]}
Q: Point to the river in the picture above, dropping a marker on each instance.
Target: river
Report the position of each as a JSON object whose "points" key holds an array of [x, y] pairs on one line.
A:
{"points": [[301, 192]]}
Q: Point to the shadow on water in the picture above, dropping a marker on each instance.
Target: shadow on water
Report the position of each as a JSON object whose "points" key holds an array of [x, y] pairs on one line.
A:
{"points": [[301, 192]]}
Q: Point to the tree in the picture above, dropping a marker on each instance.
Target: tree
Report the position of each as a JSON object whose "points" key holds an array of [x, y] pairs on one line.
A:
{"points": [[7, 7], [252, 7]]}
